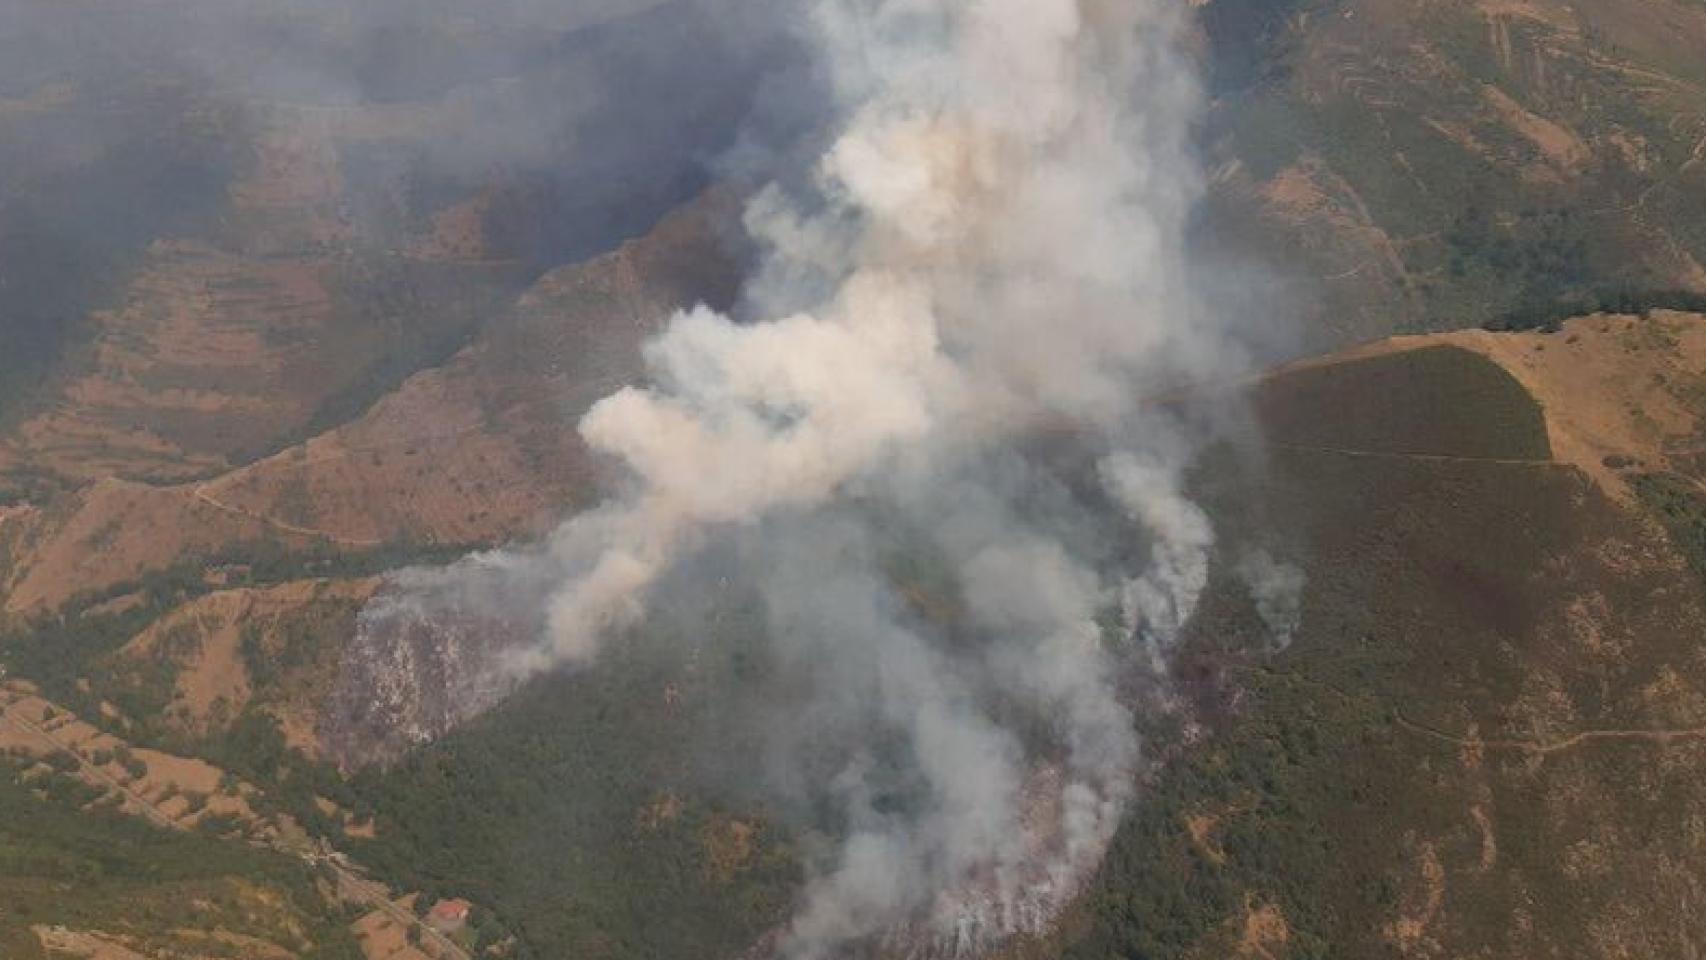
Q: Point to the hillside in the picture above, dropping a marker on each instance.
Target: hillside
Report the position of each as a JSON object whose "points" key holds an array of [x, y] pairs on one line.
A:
{"points": [[490, 427], [226, 228], [1413, 166], [211, 341], [1496, 623], [115, 852], [281, 333], [470, 453], [1500, 533], [1487, 735]]}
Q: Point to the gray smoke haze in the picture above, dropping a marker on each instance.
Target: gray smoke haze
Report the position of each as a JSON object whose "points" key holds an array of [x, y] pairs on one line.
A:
{"points": [[987, 248], [122, 124], [973, 277]]}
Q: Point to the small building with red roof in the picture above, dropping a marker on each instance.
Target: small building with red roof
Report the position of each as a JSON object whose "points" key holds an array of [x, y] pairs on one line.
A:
{"points": [[448, 916]]}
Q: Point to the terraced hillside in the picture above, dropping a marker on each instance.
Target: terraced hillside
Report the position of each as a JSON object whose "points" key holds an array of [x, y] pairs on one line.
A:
{"points": [[198, 342], [226, 228], [203, 606]]}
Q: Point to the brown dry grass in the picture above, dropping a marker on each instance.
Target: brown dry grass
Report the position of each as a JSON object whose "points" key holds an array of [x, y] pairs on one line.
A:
{"points": [[728, 845], [197, 365], [166, 786], [383, 938], [424, 463], [484, 448], [1201, 829], [478, 451], [1609, 386], [1310, 195], [83, 944], [1409, 932], [1265, 932], [109, 533], [218, 942], [1563, 150], [205, 638], [457, 233]]}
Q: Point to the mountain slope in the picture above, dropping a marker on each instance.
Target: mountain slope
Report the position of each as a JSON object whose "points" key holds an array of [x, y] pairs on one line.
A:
{"points": [[471, 453], [342, 336], [1414, 166], [1487, 736]]}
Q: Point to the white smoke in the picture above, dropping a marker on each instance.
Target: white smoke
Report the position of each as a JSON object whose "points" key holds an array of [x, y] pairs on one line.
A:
{"points": [[990, 249], [1162, 600], [1276, 587], [1005, 211]]}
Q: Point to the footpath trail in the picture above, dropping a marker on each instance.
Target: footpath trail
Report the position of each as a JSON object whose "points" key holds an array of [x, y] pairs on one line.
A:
{"points": [[204, 491], [1423, 457], [1662, 736], [202, 495], [1543, 748]]}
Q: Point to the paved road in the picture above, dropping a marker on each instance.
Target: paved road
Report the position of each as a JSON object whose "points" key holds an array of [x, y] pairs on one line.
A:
{"points": [[370, 893], [148, 809], [375, 895]]}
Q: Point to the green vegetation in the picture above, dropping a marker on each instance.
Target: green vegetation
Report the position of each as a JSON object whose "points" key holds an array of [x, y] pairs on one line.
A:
{"points": [[58, 649], [255, 749], [1273, 790], [1679, 504], [283, 651], [71, 655], [1550, 316], [539, 812], [572, 813], [1509, 161], [1440, 401], [1541, 253], [92, 870], [1248, 40], [1340, 785]]}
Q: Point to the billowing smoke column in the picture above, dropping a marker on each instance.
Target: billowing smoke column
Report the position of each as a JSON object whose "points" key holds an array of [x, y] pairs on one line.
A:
{"points": [[990, 249], [996, 236]]}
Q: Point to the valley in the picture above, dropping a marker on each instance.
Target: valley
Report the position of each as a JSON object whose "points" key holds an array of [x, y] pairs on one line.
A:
{"points": [[347, 339]]}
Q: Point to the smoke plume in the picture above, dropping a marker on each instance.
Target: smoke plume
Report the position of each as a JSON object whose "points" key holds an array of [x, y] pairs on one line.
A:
{"points": [[983, 261]]}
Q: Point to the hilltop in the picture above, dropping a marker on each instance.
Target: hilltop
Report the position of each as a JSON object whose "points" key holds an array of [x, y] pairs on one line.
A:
{"points": [[323, 353], [1484, 736]]}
